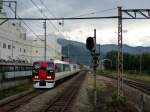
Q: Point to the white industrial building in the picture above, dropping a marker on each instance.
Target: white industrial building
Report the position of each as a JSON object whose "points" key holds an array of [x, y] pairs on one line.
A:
{"points": [[14, 44], [53, 49]]}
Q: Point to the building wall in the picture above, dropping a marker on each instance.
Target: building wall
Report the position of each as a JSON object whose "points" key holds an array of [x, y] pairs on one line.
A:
{"points": [[15, 45], [53, 49]]}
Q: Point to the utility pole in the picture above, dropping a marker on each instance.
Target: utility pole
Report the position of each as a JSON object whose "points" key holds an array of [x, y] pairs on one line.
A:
{"points": [[91, 46], [100, 64], [12, 52], [94, 68], [140, 63], [120, 54], [44, 24], [68, 49]]}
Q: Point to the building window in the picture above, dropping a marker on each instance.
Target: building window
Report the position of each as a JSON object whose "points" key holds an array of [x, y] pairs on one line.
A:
{"points": [[14, 47], [24, 50], [9, 46], [36, 51], [13, 24], [20, 49], [4, 45]]}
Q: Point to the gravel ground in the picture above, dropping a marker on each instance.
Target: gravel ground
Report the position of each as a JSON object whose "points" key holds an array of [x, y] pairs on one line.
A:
{"points": [[137, 100], [37, 103], [105, 103]]}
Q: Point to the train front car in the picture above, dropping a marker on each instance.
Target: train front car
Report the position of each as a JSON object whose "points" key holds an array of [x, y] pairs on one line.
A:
{"points": [[43, 74]]}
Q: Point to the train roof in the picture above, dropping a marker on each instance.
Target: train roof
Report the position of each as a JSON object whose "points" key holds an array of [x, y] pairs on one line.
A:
{"points": [[53, 61]]}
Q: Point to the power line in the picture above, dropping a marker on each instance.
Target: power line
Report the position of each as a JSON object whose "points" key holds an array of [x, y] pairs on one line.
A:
{"points": [[44, 15], [50, 12], [94, 12], [27, 25], [79, 18], [33, 31]]}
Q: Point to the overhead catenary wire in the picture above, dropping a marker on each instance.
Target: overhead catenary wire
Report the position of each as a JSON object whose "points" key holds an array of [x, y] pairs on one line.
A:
{"points": [[44, 14], [79, 18], [32, 30], [94, 12], [49, 11], [26, 25]]}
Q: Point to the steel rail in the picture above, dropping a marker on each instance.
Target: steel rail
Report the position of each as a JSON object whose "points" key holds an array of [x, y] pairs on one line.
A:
{"points": [[62, 102], [140, 85], [17, 102]]}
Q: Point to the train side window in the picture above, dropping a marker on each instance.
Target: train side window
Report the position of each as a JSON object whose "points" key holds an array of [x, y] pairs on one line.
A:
{"points": [[74, 67], [58, 67], [66, 67]]}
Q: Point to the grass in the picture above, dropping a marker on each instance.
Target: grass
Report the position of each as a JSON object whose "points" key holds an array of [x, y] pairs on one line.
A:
{"points": [[99, 87], [13, 91], [107, 98]]}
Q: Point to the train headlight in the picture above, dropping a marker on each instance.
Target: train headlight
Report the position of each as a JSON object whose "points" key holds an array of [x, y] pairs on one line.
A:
{"points": [[49, 77], [36, 76]]}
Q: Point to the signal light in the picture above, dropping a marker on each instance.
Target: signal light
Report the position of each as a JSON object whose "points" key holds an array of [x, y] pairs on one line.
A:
{"points": [[90, 43]]}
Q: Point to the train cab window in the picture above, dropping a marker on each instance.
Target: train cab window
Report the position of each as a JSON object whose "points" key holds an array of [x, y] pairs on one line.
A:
{"points": [[36, 66], [58, 67]]}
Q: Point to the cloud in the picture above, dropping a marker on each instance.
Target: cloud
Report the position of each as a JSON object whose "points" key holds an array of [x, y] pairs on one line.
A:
{"points": [[134, 34]]}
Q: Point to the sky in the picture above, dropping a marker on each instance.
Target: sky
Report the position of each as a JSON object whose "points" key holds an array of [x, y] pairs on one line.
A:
{"points": [[135, 32]]}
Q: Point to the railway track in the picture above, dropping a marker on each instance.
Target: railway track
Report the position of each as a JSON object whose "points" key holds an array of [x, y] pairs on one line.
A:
{"points": [[144, 87], [140, 85], [63, 101], [15, 103]]}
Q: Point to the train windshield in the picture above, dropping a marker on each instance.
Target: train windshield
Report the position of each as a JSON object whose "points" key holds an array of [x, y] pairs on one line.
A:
{"points": [[36, 66]]}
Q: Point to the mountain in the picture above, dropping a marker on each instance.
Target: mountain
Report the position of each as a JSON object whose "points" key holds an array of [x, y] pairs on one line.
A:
{"points": [[78, 51]]}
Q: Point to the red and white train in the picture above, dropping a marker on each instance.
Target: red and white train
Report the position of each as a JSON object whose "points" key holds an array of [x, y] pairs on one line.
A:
{"points": [[46, 73]]}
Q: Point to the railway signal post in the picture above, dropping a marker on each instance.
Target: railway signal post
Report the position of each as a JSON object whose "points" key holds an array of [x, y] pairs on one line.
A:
{"points": [[91, 46], [120, 55]]}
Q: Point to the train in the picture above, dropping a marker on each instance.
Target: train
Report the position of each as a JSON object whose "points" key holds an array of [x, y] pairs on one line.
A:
{"points": [[46, 73], [11, 71]]}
